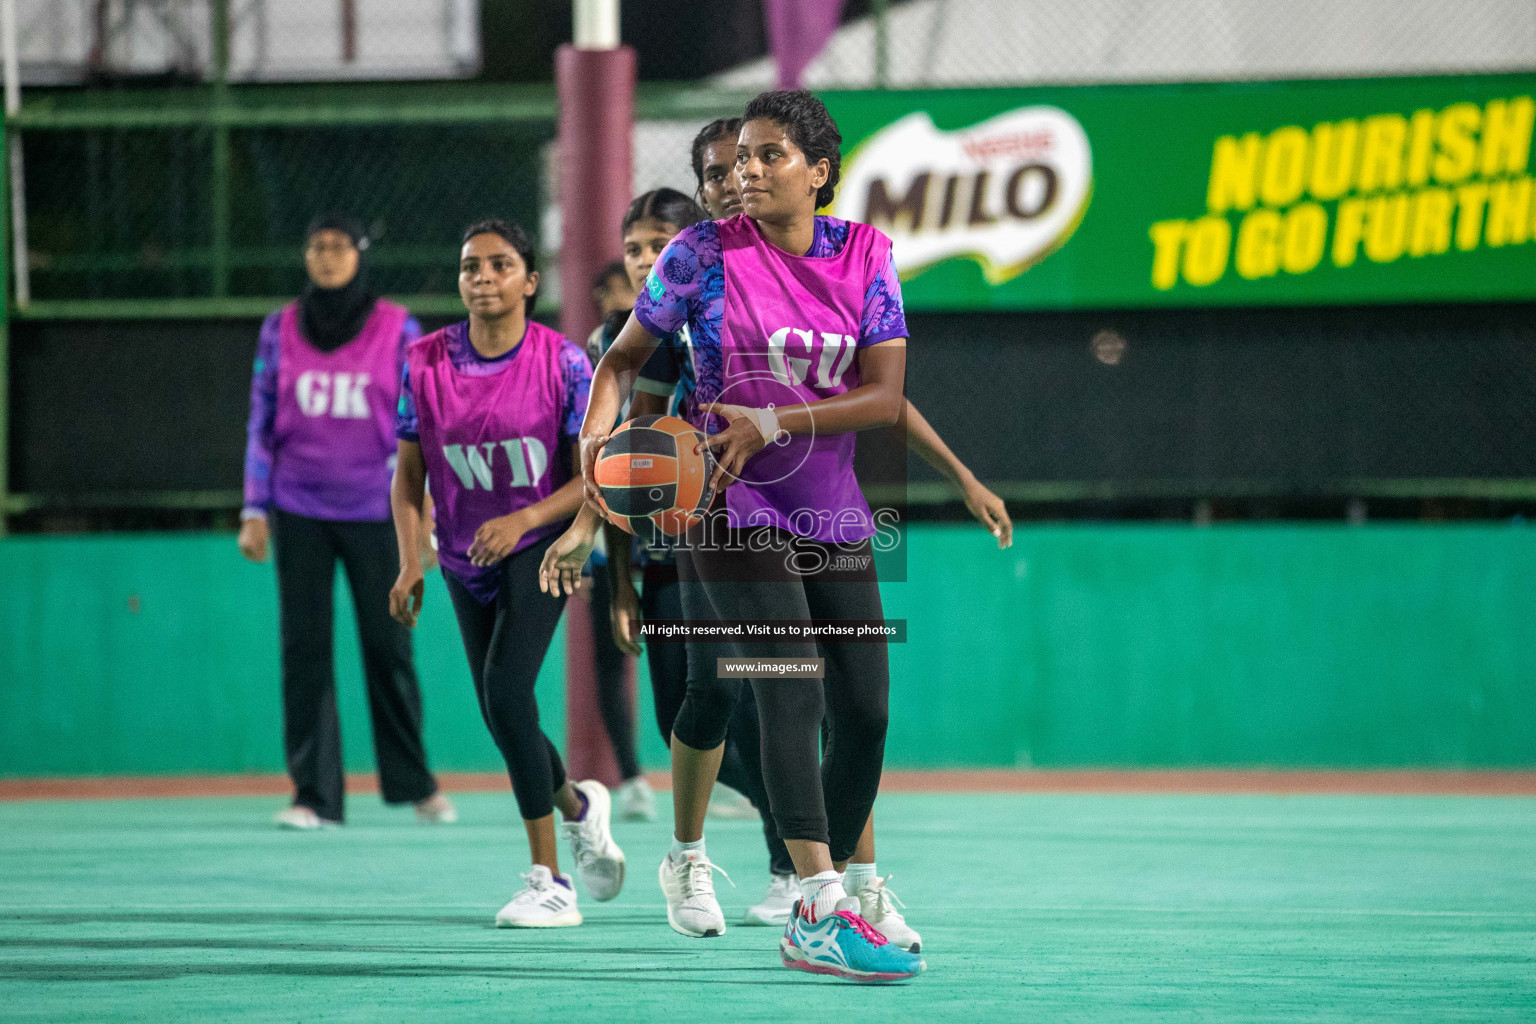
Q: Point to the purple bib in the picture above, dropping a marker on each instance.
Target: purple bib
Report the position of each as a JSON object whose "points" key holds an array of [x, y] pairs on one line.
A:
{"points": [[490, 441], [790, 337], [333, 434]]}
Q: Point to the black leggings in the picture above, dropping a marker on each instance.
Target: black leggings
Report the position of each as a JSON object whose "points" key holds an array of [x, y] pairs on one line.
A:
{"points": [[307, 551], [506, 641], [741, 764], [612, 695], [745, 574]]}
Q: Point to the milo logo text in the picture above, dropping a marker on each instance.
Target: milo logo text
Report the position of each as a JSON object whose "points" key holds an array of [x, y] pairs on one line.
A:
{"points": [[1005, 192]]}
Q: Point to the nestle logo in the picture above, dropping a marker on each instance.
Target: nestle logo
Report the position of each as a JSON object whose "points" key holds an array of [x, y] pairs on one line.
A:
{"points": [[1017, 146]]}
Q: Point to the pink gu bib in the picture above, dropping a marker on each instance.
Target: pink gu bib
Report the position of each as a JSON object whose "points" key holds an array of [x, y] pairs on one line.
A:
{"points": [[790, 336], [334, 433]]}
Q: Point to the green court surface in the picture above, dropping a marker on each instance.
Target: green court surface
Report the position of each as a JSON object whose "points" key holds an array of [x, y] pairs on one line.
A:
{"points": [[1033, 907]]}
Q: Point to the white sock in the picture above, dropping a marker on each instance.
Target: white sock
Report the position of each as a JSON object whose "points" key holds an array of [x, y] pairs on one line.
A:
{"points": [[859, 876], [821, 892], [680, 849]]}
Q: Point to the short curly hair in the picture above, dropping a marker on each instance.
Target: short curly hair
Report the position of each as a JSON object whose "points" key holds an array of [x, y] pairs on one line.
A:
{"points": [[805, 120]]}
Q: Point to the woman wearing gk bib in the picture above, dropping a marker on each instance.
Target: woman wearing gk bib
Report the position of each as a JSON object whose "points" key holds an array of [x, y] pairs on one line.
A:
{"points": [[799, 341], [318, 459], [488, 410]]}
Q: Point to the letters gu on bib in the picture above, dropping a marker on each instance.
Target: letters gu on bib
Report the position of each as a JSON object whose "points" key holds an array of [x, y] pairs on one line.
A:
{"points": [[334, 427], [490, 435], [774, 330]]}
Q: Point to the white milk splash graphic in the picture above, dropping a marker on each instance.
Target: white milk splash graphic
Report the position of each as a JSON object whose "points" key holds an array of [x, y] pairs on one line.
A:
{"points": [[1005, 192]]}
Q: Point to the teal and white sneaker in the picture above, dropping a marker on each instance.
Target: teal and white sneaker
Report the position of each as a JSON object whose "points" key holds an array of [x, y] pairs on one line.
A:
{"points": [[845, 945]]}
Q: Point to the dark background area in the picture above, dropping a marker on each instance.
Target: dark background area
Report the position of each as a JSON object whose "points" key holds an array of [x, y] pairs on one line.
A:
{"points": [[1300, 397], [675, 40], [1257, 412], [123, 214]]}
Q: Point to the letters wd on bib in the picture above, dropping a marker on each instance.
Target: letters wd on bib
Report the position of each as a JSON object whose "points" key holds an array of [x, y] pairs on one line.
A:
{"points": [[491, 426]]}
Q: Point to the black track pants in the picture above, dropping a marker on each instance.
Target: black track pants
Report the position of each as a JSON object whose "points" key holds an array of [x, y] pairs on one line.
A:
{"points": [[306, 553]]}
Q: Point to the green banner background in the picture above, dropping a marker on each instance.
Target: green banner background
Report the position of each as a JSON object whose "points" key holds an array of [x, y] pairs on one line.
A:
{"points": [[1152, 152]]}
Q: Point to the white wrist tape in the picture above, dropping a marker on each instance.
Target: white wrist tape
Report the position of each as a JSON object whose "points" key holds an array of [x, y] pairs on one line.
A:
{"points": [[767, 423]]}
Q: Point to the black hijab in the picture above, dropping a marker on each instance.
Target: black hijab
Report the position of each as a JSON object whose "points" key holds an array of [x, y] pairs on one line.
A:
{"points": [[331, 317]]}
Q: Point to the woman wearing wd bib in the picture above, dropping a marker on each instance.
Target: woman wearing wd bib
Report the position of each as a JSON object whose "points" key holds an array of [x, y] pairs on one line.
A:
{"points": [[317, 471], [489, 409], [799, 341]]}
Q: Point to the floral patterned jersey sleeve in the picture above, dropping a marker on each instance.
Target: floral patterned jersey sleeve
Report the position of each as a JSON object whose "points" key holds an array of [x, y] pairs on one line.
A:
{"points": [[884, 316]]}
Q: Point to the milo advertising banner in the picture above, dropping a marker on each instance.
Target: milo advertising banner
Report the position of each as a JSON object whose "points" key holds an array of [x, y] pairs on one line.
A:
{"points": [[1380, 190]]}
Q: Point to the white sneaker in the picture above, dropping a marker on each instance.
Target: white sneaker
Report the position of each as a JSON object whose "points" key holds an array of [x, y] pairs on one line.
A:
{"points": [[877, 905], [542, 902], [599, 861], [726, 804], [637, 801], [436, 809], [689, 886], [302, 818], [783, 891]]}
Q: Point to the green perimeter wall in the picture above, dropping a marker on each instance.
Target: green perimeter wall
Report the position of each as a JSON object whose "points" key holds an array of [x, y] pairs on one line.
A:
{"points": [[1115, 645]]}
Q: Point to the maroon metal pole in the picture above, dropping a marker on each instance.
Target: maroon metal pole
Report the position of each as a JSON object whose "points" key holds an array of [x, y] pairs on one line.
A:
{"points": [[348, 31], [597, 113], [596, 170]]}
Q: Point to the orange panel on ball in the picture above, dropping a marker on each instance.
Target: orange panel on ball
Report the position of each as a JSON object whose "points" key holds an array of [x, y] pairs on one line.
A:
{"points": [[636, 471]]}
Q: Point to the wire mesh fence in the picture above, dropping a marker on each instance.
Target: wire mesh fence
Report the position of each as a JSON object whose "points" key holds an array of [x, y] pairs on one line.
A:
{"points": [[942, 43], [67, 41], [147, 202], [131, 213], [182, 211]]}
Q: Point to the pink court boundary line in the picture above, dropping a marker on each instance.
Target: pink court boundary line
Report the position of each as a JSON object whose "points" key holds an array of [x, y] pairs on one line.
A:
{"points": [[1380, 782]]}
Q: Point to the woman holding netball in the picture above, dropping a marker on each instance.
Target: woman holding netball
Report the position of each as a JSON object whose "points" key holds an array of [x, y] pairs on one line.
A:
{"points": [[799, 341], [318, 460], [488, 410], [650, 222], [714, 168]]}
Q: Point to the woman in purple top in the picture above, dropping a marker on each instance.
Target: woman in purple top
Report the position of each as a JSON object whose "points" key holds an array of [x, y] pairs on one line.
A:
{"points": [[318, 459], [714, 168], [489, 410], [799, 341]]}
